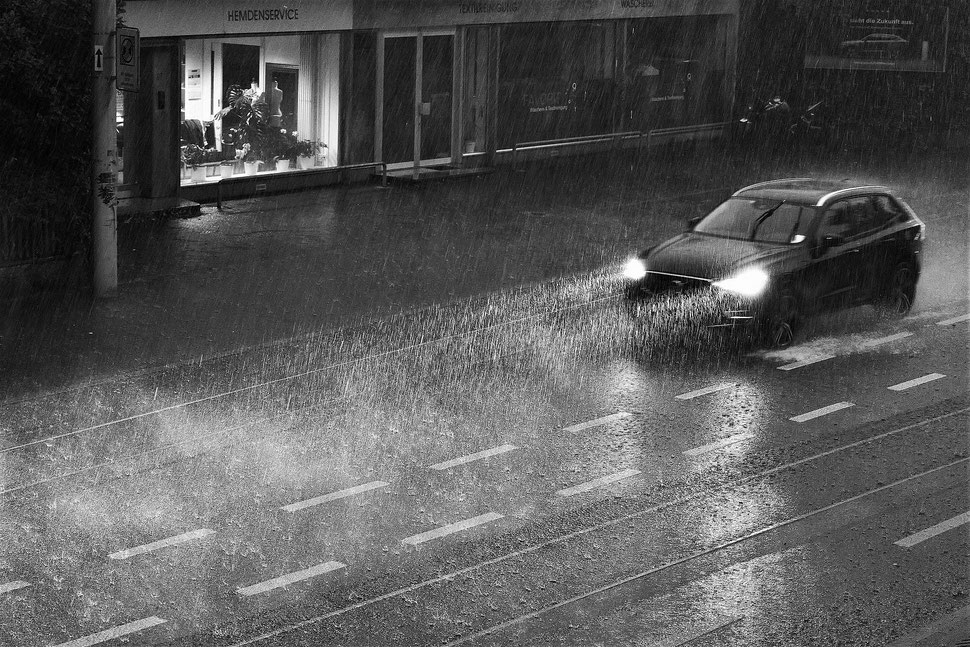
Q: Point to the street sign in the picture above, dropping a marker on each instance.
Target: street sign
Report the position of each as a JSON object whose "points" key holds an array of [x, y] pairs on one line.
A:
{"points": [[126, 61], [99, 58]]}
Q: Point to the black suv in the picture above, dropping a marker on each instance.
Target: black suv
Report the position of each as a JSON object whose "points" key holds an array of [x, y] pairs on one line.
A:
{"points": [[778, 251]]}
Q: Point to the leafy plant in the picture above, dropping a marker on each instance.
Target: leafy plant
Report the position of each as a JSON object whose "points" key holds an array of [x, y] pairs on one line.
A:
{"points": [[306, 148], [244, 120]]}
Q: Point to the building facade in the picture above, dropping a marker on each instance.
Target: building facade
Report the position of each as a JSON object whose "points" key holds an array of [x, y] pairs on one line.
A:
{"points": [[416, 83]]}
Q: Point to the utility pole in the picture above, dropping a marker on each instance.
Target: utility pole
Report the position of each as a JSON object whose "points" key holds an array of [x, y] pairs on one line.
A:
{"points": [[104, 159]]}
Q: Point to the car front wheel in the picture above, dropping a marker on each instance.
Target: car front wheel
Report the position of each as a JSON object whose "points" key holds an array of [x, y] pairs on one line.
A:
{"points": [[781, 321]]}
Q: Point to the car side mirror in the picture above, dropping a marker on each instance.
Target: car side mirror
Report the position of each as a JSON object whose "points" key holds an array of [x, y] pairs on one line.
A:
{"points": [[693, 222]]}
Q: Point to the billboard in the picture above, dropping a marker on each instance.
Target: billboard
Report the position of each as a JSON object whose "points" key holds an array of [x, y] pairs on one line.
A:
{"points": [[881, 35]]}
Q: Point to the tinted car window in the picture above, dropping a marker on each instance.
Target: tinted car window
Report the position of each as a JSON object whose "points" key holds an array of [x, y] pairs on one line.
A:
{"points": [[888, 212], [768, 221], [847, 218]]}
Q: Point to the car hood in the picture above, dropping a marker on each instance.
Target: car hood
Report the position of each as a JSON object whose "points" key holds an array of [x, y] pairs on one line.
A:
{"points": [[710, 257]]}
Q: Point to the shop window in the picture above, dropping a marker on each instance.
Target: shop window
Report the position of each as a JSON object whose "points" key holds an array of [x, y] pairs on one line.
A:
{"points": [[257, 104], [556, 82], [676, 72]]}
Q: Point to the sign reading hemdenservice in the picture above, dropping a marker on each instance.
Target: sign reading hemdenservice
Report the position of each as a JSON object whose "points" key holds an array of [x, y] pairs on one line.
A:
{"points": [[885, 35], [224, 17]]}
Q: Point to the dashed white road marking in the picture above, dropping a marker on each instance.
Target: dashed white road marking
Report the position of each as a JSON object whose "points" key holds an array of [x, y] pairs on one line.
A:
{"points": [[7, 587], [824, 411], [933, 531], [805, 362], [871, 343], [599, 482], [598, 421], [724, 442], [162, 543], [114, 632], [953, 320], [902, 386], [451, 528], [333, 496], [699, 632], [698, 393], [461, 460], [290, 578]]}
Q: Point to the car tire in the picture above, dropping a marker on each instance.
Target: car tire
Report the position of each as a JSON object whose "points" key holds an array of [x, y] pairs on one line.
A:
{"points": [[781, 321], [899, 292]]}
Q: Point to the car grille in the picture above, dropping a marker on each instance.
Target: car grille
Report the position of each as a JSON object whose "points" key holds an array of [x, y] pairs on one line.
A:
{"points": [[657, 283]]}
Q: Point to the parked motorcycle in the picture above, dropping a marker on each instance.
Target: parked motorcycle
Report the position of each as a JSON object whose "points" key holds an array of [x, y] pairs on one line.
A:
{"points": [[773, 122]]}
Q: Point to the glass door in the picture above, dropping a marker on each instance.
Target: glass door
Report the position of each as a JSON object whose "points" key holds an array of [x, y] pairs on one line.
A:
{"points": [[417, 99], [400, 69]]}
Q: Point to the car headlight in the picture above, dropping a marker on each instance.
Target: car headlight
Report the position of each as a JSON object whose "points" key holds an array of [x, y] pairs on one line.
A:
{"points": [[749, 282], [634, 269]]}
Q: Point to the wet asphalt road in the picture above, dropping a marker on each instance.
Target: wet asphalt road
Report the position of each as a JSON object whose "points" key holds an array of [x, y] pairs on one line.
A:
{"points": [[507, 470]]}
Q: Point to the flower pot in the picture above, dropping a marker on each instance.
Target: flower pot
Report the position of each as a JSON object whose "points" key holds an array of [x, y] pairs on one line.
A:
{"points": [[251, 167], [198, 174], [305, 162], [225, 170], [470, 146], [282, 165]]}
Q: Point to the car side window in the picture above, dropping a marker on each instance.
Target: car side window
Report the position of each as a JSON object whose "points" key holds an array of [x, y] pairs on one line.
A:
{"points": [[888, 211], [847, 218], [837, 221]]}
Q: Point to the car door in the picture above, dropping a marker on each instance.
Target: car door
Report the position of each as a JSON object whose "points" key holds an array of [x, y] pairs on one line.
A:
{"points": [[836, 271], [880, 247]]}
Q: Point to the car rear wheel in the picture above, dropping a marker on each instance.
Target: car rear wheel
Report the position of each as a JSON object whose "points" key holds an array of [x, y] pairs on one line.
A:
{"points": [[781, 323], [898, 295]]}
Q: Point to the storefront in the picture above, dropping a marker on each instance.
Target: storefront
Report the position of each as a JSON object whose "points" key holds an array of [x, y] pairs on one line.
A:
{"points": [[413, 85]]}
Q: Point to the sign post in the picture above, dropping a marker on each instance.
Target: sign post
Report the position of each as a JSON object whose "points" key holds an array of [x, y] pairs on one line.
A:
{"points": [[104, 159]]}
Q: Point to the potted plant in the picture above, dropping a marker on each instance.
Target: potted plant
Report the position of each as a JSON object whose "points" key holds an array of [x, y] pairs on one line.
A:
{"points": [[193, 156], [249, 158], [244, 126], [304, 151], [276, 148]]}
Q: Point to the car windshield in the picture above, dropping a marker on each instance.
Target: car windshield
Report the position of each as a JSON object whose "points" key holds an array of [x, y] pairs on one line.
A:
{"points": [[767, 221]]}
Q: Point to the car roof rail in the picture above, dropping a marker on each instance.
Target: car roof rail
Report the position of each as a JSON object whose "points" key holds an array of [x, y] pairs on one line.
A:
{"points": [[762, 185], [849, 190]]}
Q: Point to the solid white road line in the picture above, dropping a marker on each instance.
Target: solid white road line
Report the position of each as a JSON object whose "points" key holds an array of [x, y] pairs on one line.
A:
{"points": [[114, 632], [824, 411], [699, 632], [162, 543], [953, 320], [595, 483], [598, 421], [461, 460], [933, 531], [451, 528], [700, 392], [805, 362], [902, 386], [7, 587], [290, 578], [730, 440], [333, 496], [871, 343]]}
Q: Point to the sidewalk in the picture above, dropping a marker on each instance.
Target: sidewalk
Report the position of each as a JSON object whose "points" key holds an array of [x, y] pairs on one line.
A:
{"points": [[281, 266]]}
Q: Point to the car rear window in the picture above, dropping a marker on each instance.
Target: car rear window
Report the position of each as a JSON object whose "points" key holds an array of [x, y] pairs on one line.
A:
{"points": [[768, 221]]}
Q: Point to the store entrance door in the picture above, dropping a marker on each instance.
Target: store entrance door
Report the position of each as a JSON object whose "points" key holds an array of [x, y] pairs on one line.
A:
{"points": [[417, 99]]}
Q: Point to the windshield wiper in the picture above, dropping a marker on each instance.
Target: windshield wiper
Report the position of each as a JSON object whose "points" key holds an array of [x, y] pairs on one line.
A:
{"points": [[760, 219]]}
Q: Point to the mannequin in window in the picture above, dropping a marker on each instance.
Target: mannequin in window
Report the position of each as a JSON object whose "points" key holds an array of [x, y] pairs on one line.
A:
{"points": [[274, 99]]}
